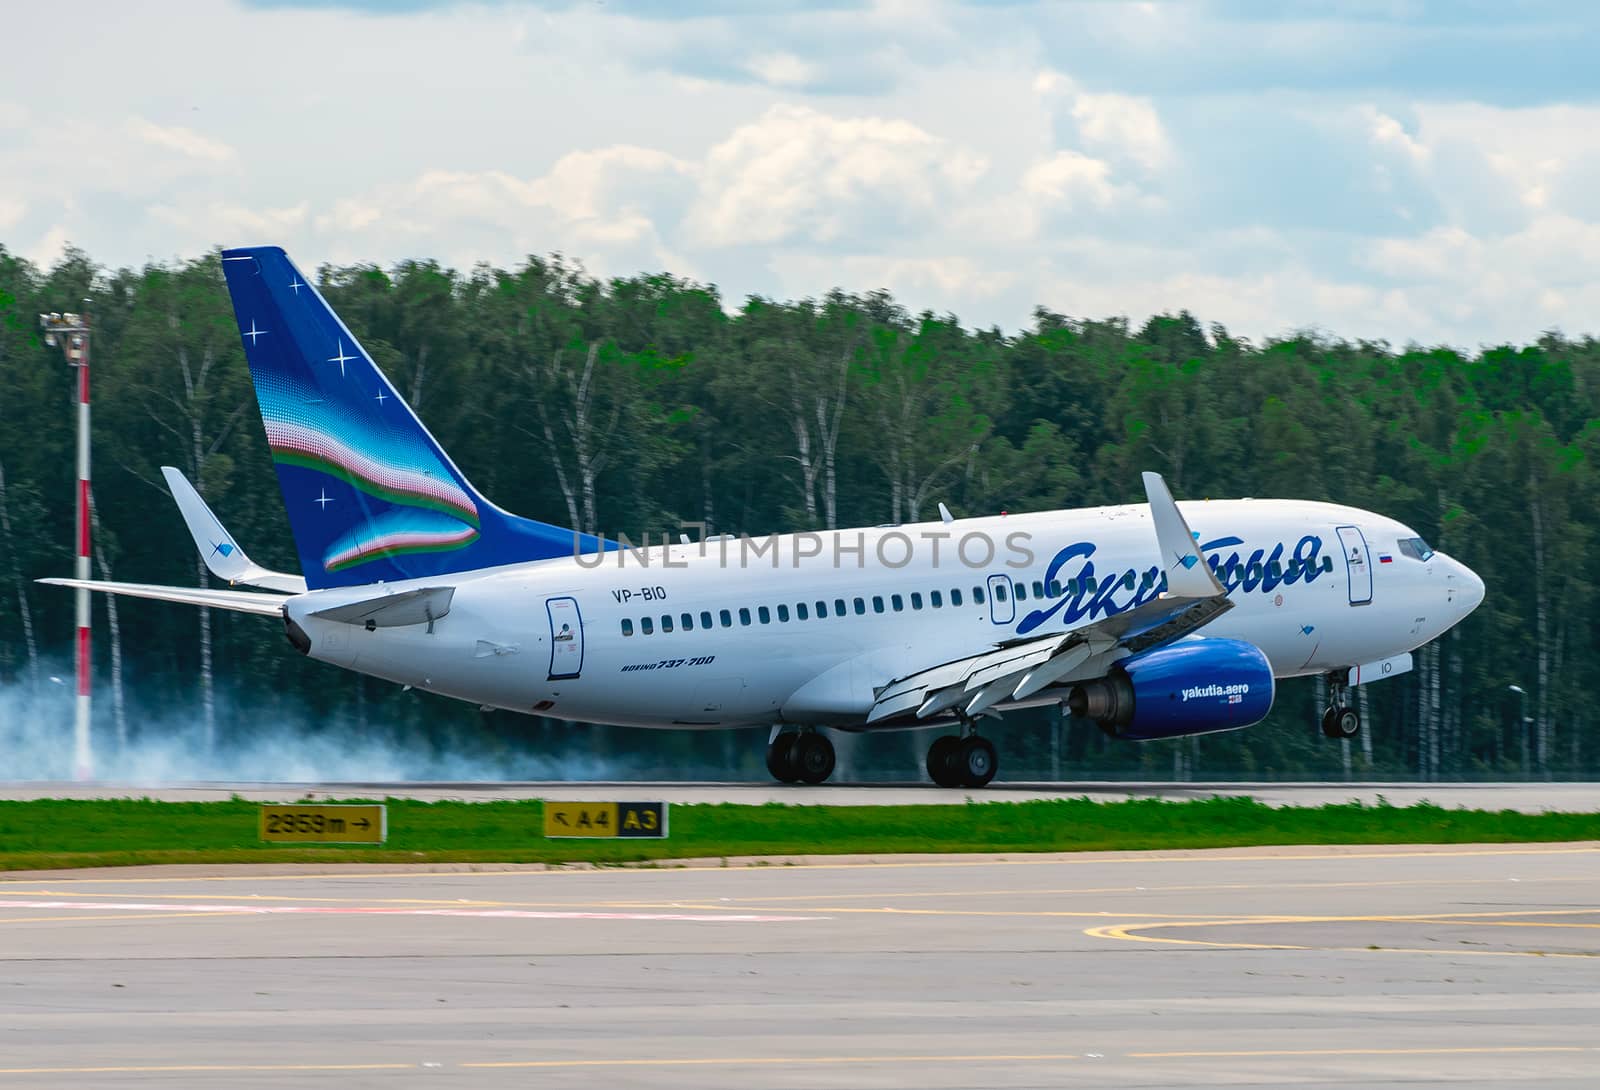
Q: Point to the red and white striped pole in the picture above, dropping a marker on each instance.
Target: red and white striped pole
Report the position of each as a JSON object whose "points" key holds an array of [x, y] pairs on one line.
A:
{"points": [[78, 356]]}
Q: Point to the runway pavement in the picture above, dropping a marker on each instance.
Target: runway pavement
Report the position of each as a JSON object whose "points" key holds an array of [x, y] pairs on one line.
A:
{"points": [[1526, 797], [1461, 965]]}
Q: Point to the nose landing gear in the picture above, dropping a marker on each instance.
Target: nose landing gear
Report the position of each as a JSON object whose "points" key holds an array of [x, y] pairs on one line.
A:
{"points": [[1340, 720]]}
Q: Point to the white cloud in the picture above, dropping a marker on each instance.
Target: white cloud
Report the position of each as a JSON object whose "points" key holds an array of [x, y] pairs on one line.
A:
{"points": [[797, 173], [1123, 125], [11, 212], [781, 69], [1072, 178], [179, 139]]}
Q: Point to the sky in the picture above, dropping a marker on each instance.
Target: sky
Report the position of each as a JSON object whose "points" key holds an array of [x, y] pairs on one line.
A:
{"points": [[1377, 169]]}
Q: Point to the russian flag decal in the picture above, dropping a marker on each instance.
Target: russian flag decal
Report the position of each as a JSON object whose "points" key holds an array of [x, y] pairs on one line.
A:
{"points": [[1385, 558]]}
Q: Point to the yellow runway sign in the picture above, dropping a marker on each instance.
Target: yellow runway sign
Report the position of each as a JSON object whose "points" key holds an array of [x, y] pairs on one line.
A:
{"points": [[570, 820], [336, 824]]}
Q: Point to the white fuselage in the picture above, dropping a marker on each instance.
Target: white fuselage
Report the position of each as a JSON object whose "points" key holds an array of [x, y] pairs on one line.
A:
{"points": [[1308, 583]]}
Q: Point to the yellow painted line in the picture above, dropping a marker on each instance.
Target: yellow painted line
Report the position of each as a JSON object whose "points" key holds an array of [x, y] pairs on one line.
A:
{"points": [[1199, 887], [225, 1069], [666, 867], [769, 1061], [1125, 932], [1235, 1054]]}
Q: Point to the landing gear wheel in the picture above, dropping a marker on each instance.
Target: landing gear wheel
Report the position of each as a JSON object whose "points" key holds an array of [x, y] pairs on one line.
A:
{"points": [[941, 761], [780, 759], [811, 758], [1341, 723], [976, 761]]}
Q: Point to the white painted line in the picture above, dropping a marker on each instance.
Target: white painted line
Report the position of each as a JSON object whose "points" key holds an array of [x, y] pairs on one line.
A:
{"points": [[379, 910]]}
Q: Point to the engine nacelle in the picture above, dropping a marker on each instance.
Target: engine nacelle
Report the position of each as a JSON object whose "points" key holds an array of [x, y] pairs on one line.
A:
{"points": [[1194, 687]]}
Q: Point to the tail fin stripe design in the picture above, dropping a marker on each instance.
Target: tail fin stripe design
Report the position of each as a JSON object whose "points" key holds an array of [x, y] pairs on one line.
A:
{"points": [[371, 495]]}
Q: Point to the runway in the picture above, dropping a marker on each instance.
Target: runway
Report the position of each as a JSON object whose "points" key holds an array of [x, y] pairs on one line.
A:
{"points": [[1320, 967], [1525, 797]]}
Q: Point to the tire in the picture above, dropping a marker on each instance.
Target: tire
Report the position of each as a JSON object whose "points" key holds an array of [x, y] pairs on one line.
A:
{"points": [[780, 758], [941, 761], [812, 758], [1348, 723], [1330, 723], [976, 761], [1341, 723]]}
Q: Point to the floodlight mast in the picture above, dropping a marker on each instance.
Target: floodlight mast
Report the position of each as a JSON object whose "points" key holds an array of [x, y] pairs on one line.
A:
{"points": [[71, 332]]}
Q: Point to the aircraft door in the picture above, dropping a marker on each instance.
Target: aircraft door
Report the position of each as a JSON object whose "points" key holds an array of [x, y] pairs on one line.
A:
{"points": [[1357, 563], [566, 637], [1002, 609]]}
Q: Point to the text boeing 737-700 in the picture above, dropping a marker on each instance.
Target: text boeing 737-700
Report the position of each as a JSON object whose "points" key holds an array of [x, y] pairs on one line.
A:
{"points": [[1155, 620]]}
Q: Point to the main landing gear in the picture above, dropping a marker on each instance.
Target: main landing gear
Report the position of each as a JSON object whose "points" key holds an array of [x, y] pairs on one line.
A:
{"points": [[965, 760], [1340, 720], [804, 757]]}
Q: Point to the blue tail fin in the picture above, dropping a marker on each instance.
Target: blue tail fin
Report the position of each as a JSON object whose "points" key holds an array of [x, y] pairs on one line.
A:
{"points": [[371, 496]]}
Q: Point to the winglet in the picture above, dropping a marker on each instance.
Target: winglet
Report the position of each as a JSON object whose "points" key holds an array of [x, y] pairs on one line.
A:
{"points": [[1188, 574], [217, 547]]}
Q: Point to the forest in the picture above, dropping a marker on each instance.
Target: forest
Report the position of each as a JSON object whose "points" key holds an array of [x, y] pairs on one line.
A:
{"points": [[638, 404]]}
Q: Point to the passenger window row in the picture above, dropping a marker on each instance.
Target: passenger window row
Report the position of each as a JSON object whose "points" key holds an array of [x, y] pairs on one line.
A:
{"points": [[820, 609]]}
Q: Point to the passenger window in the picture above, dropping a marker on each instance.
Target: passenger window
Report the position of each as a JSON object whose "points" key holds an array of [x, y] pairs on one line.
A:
{"points": [[1327, 563], [687, 621], [627, 627], [764, 615], [977, 597], [783, 613], [744, 615], [838, 606], [1054, 588], [935, 599], [877, 603], [1127, 580], [1021, 590], [1275, 570], [1145, 580], [705, 618], [1253, 573], [999, 592], [645, 626], [861, 607], [822, 610], [726, 618], [1089, 583], [1038, 589], [916, 599], [802, 612], [666, 622], [896, 603]]}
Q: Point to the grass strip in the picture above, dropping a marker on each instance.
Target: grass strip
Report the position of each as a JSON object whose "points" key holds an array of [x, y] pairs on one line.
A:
{"points": [[55, 833]]}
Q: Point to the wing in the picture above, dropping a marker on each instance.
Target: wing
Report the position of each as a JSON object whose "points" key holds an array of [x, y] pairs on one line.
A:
{"points": [[239, 601], [1016, 671]]}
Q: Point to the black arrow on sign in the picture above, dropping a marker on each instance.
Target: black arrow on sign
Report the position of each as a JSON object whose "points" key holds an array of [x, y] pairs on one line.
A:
{"points": [[363, 823]]}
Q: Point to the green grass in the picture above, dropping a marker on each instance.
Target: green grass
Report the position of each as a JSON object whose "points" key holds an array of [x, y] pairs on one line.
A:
{"points": [[79, 833]]}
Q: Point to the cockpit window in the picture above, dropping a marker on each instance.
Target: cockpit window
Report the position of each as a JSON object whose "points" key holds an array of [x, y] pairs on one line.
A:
{"points": [[1415, 548]]}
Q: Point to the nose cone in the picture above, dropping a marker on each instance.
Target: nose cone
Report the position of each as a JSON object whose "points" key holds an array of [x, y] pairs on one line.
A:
{"points": [[1463, 587]]}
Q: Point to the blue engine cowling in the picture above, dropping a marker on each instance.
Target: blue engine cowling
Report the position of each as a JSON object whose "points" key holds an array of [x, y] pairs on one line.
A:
{"points": [[1195, 687]]}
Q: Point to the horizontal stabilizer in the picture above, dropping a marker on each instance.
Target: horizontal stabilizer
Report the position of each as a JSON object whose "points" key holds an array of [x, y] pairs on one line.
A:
{"points": [[218, 549], [421, 606], [238, 601]]}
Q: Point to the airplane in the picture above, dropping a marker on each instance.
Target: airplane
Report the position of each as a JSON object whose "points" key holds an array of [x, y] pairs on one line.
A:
{"points": [[1154, 620]]}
